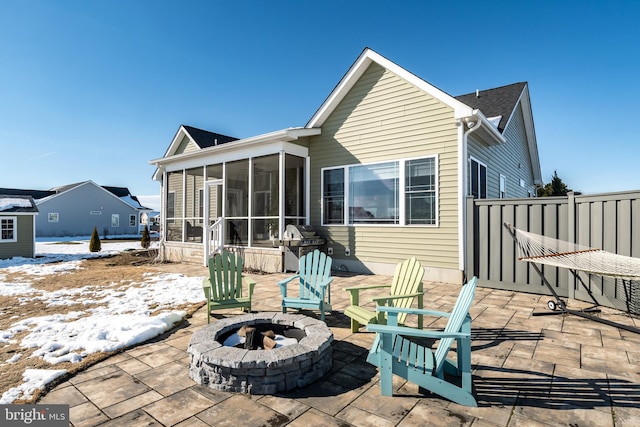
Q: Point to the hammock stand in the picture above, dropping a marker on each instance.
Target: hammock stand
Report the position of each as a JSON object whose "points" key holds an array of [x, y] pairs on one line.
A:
{"points": [[559, 306]]}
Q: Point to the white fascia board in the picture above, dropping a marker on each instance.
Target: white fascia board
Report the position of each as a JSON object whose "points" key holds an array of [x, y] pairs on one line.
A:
{"points": [[261, 145], [177, 139], [490, 128], [357, 70], [253, 143], [525, 103], [531, 137]]}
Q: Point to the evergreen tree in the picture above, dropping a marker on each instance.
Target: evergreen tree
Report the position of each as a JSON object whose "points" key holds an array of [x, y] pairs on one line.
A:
{"points": [[554, 188], [145, 241], [94, 244]]}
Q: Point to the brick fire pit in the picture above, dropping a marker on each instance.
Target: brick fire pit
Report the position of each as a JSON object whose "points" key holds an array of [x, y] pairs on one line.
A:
{"points": [[260, 371]]}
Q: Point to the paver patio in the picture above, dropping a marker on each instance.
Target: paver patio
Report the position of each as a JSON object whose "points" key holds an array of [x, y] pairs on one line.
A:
{"points": [[528, 371]]}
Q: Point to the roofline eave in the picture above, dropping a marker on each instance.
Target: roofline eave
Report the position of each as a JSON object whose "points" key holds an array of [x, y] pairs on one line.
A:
{"points": [[286, 135], [358, 68]]}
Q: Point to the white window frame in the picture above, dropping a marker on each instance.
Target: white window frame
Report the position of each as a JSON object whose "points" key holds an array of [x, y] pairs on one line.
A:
{"points": [[401, 165], [115, 220], [502, 191], [14, 227], [133, 220], [53, 217], [486, 176]]}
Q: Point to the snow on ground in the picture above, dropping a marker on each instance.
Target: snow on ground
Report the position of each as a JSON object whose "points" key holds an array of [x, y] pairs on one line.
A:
{"points": [[121, 319]]}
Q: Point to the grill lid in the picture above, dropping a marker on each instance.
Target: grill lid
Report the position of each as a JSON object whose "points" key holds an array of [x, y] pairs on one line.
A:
{"points": [[295, 232]]}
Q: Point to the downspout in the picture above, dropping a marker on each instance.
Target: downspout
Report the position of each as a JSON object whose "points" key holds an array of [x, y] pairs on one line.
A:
{"points": [[473, 123]]}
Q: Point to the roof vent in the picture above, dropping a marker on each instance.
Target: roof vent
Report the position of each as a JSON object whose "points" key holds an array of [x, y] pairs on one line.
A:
{"points": [[477, 93], [215, 141]]}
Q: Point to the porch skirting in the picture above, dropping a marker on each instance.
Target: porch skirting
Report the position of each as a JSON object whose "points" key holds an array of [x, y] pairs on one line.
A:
{"points": [[269, 260], [258, 259]]}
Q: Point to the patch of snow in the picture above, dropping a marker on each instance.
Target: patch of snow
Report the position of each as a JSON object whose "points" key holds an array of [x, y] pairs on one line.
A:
{"points": [[104, 320], [7, 203], [34, 379]]}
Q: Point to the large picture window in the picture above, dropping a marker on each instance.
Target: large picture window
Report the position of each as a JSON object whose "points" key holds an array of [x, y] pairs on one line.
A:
{"points": [[402, 192]]}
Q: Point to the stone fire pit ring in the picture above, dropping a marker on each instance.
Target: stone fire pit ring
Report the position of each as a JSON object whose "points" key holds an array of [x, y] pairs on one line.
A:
{"points": [[260, 371]]}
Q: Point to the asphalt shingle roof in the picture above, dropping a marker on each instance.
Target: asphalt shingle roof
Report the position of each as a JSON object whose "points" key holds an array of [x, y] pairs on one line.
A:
{"points": [[206, 139], [499, 101]]}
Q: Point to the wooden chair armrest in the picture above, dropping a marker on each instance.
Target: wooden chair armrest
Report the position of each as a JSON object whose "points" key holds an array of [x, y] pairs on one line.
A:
{"points": [[365, 287], [392, 297], [288, 279], [250, 282], [413, 332], [325, 283], [283, 284], [396, 310]]}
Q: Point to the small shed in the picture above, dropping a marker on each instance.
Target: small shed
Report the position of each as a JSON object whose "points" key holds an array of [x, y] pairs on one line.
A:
{"points": [[17, 226]]}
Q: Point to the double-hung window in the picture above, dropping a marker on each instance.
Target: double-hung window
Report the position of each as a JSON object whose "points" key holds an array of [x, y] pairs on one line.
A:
{"points": [[8, 229], [477, 179], [401, 192]]}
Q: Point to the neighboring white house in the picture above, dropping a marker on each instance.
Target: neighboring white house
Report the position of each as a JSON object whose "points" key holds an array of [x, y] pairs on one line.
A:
{"points": [[381, 172], [75, 209], [17, 226]]}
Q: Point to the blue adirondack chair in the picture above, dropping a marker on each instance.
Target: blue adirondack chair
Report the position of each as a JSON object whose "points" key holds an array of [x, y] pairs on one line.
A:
{"points": [[315, 280], [223, 288], [394, 352]]}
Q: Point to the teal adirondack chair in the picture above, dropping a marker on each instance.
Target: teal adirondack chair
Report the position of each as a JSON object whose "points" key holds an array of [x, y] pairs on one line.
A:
{"points": [[224, 286], [315, 280], [393, 351], [405, 287]]}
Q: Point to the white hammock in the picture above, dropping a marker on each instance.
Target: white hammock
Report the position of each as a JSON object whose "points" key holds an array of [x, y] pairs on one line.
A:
{"points": [[546, 250]]}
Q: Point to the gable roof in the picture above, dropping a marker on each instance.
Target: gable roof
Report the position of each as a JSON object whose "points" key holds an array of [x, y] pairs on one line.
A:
{"points": [[11, 203], [502, 102], [497, 102], [358, 68], [461, 111], [205, 139], [121, 193], [36, 194]]}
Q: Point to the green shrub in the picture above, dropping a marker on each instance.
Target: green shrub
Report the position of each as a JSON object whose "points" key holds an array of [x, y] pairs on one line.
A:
{"points": [[145, 241], [94, 244]]}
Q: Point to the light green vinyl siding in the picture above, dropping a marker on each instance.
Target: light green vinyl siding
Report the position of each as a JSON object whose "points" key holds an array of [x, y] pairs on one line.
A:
{"points": [[382, 118], [510, 159], [24, 246], [186, 145]]}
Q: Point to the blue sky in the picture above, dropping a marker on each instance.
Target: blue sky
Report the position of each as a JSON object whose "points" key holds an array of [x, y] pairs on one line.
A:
{"points": [[93, 90]]}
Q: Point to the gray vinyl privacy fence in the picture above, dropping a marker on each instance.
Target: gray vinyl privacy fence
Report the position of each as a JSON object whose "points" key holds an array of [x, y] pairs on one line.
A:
{"points": [[606, 221]]}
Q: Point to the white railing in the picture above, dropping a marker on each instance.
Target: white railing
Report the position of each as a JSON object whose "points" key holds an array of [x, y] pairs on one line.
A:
{"points": [[214, 239]]}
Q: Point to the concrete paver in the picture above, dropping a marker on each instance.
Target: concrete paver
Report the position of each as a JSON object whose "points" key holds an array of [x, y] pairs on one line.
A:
{"points": [[558, 370]]}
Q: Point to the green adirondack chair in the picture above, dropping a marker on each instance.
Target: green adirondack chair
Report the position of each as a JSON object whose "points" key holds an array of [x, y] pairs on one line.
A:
{"points": [[394, 352], [403, 290], [315, 280], [224, 286]]}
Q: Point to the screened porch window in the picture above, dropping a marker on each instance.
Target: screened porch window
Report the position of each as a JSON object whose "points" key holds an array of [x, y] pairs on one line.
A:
{"points": [[249, 199]]}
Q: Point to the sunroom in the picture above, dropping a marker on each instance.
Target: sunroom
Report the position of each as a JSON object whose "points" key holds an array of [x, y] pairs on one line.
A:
{"points": [[233, 194]]}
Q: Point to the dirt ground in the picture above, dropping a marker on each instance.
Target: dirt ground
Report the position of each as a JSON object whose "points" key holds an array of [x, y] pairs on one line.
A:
{"points": [[119, 270]]}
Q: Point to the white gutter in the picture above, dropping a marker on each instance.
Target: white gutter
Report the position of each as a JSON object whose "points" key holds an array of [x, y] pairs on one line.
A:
{"points": [[473, 124], [286, 135]]}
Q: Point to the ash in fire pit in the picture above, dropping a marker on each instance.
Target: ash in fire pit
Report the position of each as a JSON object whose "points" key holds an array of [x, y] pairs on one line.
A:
{"points": [[229, 368], [263, 337]]}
